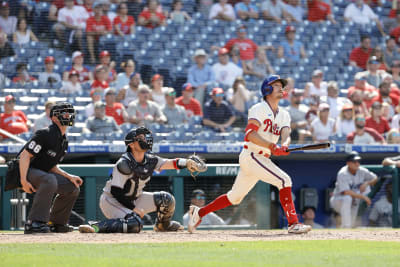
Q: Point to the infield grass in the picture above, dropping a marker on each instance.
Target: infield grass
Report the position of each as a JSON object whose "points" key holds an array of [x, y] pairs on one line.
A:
{"points": [[260, 253]]}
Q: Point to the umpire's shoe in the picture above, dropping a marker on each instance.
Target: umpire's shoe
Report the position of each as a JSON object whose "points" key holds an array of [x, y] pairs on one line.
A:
{"points": [[61, 228], [36, 227]]}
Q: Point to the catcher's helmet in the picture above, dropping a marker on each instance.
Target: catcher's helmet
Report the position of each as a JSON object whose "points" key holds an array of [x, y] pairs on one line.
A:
{"points": [[60, 110], [144, 144], [266, 87]]}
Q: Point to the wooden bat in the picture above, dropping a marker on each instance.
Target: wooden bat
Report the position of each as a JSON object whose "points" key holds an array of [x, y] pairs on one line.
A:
{"points": [[310, 147]]}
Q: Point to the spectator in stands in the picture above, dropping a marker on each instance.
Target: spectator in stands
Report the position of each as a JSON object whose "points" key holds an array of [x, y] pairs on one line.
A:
{"points": [[393, 136], [386, 96], [376, 120], [96, 26], [134, 8], [44, 120], [275, 10], [373, 75], [309, 216], [295, 10], [368, 92], [200, 75], [143, 111], [77, 65], [99, 122], [317, 87], [352, 185], [100, 78], [247, 47], [7, 23], [113, 108], [218, 114], [260, 66], [391, 52], [312, 112], [382, 211], [71, 23], [386, 112], [129, 92], [175, 114], [238, 95], [123, 23], [96, 95], [22, 76], [245, 10], [297, 112], [318, 11], [6, 49], [359, 56], [23, 35], [363, 135], [157, 89], [394, 124], [106, 5], [222, 11], [49, 77], [345, 121], [13, 121], [395, 68], [360, 13], [380, 57], [199, 200], [105, 61], [291, 49], [333, 100], [123, 77], [360, 107], [323, 126], [151, 18], [177, 15], [191, 105], [88, 5], [225, 71], [72, 86]]}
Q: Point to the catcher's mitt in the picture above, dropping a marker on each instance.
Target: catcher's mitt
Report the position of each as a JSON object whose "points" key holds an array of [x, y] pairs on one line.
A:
{"points": [[195, 165]]}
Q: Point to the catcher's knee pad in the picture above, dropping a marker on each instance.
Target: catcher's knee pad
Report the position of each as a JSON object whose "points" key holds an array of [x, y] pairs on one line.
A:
{"points": [[165, 203], [130, 224]]}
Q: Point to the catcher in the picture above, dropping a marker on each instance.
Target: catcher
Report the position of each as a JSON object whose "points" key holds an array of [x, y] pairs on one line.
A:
{"points": [[124, 202]]}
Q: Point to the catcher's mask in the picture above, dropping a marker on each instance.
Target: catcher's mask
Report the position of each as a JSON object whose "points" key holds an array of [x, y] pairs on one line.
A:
{"points": [[64, 112], [144, 144]]}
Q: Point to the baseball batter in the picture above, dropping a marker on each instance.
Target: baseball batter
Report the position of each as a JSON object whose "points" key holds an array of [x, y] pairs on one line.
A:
{"points": [[266, 123], [123, 201]]}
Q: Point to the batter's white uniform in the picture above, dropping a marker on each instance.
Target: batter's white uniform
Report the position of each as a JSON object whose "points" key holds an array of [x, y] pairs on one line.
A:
{"points": [[254, 160]]}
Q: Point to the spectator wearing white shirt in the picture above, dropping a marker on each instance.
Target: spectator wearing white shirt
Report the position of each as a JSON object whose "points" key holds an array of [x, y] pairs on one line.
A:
{"points": [[23, 34], [72, 21], [361, 13], [335, 103], [72, 86], [44, 120], [345, 121], [224, 70], [323, 127], [317, 87], [222, 11], [7, 23], [124, 77], [49, 77], [96, 95], [275, 10]]}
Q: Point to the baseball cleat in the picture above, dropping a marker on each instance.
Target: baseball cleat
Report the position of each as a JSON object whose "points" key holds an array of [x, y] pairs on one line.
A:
{"points": [[86, 228], [299, 228], [194, 218]]}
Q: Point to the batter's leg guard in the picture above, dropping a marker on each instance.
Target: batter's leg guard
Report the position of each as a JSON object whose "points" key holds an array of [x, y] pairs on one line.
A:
{"points": [[130, 224], [165, 203]]}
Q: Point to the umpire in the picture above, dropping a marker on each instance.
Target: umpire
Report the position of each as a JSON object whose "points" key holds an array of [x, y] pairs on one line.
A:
{"points": [[39, 173]]}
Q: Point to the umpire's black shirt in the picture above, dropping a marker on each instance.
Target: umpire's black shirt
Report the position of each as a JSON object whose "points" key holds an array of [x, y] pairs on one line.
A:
{"points": [[48, 147]]}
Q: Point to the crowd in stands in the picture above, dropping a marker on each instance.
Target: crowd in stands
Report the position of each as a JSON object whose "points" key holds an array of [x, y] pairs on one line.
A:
{"points": [[221, 80]]}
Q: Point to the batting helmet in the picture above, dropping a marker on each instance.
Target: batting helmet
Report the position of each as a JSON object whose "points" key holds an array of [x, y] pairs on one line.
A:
{"points": [[266, 87], [144, 144], [60, 110]]}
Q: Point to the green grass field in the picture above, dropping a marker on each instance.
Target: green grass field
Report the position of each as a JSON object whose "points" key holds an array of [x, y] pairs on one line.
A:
{"points": [[260, 253]]}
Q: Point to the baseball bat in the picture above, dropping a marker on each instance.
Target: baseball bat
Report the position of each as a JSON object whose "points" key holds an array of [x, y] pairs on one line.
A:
{"points": [[310, 147]]}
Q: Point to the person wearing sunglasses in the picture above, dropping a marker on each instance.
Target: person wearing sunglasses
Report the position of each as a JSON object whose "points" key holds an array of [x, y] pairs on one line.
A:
{"points": [[199, 199]]}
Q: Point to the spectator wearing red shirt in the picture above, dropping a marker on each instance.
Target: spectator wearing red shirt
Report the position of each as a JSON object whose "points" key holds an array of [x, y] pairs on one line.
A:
{"points": [[319, 10], [376, 120], [113, 108], [105, 61], [385, 95], [13, 121], [191, 105], [360, 55], [123, 23], [77, 65], [100, 78], [151, 18], [96, 26], [246, 46]]}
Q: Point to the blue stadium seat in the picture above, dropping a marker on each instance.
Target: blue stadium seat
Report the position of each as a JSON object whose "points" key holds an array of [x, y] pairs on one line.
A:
{"points": [[205, 136]]}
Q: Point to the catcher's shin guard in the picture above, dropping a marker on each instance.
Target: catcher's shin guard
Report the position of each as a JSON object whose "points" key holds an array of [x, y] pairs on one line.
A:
{"points": [[165, 203], [130, 224]]}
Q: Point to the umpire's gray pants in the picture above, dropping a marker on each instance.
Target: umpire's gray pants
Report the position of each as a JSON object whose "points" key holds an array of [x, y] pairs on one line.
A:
{"points": [[46, 185]]}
